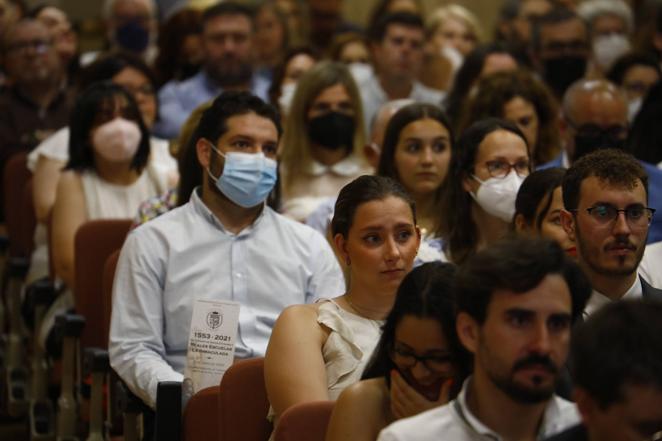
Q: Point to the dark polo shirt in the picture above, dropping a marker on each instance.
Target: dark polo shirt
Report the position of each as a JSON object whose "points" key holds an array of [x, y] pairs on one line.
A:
{"points": [[24, 124]]}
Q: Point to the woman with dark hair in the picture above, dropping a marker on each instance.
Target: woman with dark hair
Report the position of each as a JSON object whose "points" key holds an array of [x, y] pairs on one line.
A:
{"points": [[128, 71], [538, 207], [107, 175], [482, 61], [48, 158], [416, 152], [180, 46], [296, 62], [635, 73], [375, 234], [522, 99], [490, 161], [645, 138], [418, 363]]}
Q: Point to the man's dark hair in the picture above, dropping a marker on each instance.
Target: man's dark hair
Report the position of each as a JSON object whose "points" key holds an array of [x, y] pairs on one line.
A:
{"points": [[555, 16], [516, 264], [616, 347], [361, 190], [613, 166], [406, 19], [213, 124], [226, 8]]}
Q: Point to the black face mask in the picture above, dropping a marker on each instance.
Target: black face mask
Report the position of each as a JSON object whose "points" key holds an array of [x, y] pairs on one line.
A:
{"points": [[132, 36], [561, 72], [187, 70], [333, 130], [585, 143]]}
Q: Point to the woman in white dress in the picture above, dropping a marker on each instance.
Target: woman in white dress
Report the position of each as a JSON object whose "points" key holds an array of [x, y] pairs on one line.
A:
{"points": [[317, 350]]}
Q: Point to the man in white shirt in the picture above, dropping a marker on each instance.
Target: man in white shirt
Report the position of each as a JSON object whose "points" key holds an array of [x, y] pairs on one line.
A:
{"points": [[397, 52], [605, 194], [516, 302], [616, 357], [224, 244]]}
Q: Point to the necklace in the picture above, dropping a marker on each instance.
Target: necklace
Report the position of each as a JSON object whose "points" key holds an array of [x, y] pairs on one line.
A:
{"points": [[370, 312]]}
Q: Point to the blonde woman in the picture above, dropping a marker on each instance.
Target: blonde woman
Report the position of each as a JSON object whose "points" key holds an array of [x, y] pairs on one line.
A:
{"points": [[453, 26], [321, 150]]}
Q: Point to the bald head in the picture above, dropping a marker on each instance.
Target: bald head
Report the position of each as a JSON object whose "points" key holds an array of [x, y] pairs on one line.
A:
{"points": [[597, 108], [378, 128], [585, 96]]}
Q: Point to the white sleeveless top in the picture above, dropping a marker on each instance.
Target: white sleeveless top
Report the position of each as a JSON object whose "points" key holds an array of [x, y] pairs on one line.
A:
{"points": [[348, 347], [111, 201]]}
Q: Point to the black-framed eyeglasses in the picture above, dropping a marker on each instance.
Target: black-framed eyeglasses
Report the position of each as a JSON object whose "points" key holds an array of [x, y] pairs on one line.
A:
{"points": [[637, 216], [405, 358], [591, 130], [22, 47], [501, 169]]}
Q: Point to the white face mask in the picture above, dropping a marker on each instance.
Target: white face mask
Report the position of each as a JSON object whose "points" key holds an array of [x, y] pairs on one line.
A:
{"points": [[633, 108], [117, 140], [497, 195], [453, 55], [360, 71], [286, 95], [608, 48]]}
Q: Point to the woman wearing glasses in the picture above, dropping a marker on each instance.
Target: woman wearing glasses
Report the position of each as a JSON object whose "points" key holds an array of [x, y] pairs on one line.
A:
{"points": [[418, 363], [489, 163]]}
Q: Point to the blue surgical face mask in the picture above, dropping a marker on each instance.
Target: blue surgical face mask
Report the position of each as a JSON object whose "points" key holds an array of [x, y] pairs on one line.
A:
{"points": [[247, 178]]}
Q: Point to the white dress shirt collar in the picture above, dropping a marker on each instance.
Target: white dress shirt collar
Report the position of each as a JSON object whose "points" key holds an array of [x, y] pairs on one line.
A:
{"points": [[598, 300]]}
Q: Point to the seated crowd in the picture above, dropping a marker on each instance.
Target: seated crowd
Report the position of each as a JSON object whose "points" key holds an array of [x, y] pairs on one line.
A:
{"points": [[449, 236]]}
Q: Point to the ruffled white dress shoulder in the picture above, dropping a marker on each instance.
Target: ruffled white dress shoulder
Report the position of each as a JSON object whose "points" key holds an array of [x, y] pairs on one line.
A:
{"points": [[348, 347], [110, 201]]}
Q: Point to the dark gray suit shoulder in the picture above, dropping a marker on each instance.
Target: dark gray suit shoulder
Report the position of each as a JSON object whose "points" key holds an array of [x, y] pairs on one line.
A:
{"points": [[648, 292]]}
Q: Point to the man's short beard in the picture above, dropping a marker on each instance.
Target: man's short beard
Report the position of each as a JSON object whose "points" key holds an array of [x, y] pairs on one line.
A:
{"points": [[231, 77], [620, 272], [523, 394]]}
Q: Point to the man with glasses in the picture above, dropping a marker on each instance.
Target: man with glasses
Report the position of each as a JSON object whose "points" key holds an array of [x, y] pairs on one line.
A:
{"points": [[617, 375], [35, 103], [595, 116], [516, 303], [605, 195]]}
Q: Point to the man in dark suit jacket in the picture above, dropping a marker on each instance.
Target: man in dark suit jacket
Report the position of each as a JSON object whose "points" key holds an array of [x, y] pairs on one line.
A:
{"points": [[605, 194], [616, 357]]}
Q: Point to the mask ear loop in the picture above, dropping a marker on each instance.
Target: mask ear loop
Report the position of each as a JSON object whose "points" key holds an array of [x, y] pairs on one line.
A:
{"points": [[213, 147]]}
